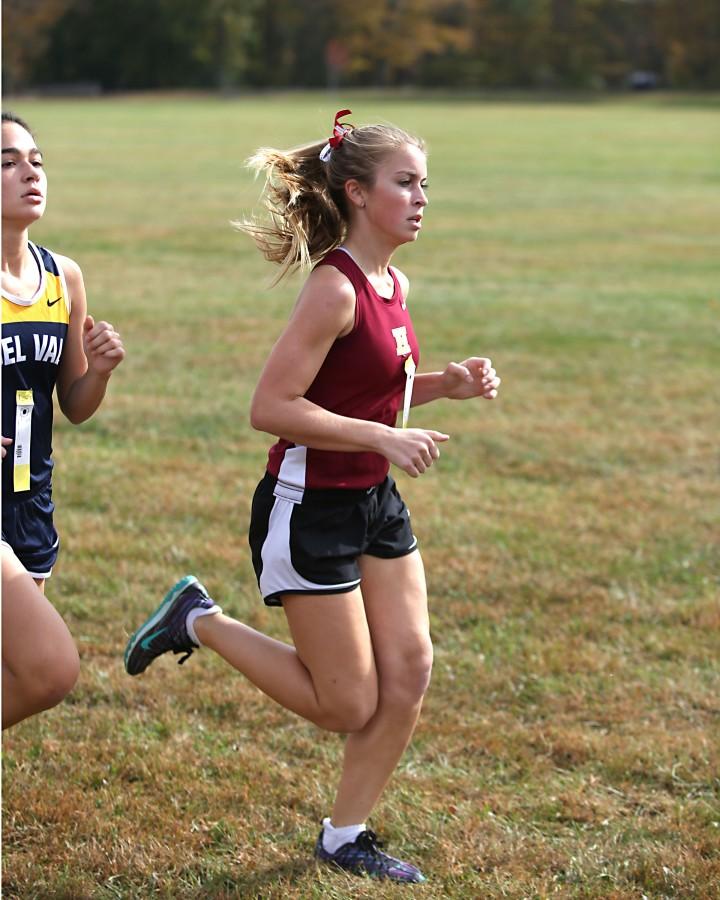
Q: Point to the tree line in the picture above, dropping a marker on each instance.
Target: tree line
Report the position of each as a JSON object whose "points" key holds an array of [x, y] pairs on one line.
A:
{"points": [[120, 45]]}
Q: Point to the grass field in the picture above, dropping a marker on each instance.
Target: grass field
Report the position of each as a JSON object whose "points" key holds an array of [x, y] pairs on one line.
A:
{"points": [[569, 744]]}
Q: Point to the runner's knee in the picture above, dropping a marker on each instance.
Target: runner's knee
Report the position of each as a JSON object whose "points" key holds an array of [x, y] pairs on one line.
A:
{"points": [[350, 710], [405, 684], [50, 678]]}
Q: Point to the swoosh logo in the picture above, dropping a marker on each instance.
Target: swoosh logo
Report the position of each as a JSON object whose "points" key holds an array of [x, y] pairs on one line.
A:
{"points": [[53, 302], [145, 642]]}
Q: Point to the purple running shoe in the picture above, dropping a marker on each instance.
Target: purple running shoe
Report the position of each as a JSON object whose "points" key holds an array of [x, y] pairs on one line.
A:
{"points": [[364, 857]]}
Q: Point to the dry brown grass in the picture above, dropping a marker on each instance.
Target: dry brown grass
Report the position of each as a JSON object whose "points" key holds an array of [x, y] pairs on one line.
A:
{"points": [[569, 744]]}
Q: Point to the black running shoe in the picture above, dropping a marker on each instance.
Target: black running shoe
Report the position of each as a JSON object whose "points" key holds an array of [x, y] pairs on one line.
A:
{"points": [[363, 857], [165, 629]]}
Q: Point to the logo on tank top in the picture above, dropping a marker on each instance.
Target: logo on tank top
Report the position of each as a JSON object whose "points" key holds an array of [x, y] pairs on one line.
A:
{"points": [[402, 346], [48, 349]]}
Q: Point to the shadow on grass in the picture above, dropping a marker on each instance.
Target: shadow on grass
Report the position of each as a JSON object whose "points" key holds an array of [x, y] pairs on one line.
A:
{"points": [[259, 883]]}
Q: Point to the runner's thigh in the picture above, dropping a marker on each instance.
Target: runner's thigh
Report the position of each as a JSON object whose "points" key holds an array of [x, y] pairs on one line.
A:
{"points": [[32, 629], [332, 639], [395, 598]]}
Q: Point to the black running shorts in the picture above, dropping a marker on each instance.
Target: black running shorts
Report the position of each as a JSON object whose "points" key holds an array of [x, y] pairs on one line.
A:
{"points": [[27, 527], [311, 546]]}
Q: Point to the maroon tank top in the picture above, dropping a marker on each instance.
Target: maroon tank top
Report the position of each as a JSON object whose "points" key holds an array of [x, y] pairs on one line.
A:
{"points": [[362, 377]]}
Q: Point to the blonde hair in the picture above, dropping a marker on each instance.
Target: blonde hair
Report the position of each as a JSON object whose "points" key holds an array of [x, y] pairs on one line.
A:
{"points": [[305, 197]]}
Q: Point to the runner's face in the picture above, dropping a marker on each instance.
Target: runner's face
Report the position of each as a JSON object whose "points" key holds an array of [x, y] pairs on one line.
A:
{"points": [[396, 201], [24, 184]]}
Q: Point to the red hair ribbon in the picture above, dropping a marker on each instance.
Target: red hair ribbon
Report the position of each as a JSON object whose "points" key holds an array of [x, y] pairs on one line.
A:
{"points": [[339, 132]]}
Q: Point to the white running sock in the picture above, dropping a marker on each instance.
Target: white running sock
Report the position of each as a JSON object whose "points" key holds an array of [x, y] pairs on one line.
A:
{"points": [[193, 614], [333, 838]]}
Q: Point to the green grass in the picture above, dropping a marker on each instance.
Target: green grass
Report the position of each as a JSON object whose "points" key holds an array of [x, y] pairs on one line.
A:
{"points": [[569, 743]]}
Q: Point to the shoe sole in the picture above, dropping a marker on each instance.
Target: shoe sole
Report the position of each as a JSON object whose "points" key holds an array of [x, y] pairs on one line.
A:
{"points": [[156, 617], [362, 872]]}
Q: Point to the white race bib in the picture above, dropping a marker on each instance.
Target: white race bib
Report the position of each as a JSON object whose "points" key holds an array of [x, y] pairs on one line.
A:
{"points": [[23, 432], [409, 379]]}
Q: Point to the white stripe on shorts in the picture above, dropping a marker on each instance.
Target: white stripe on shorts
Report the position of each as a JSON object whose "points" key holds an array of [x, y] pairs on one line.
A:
{"points": [[38, 575], [278, 575]]}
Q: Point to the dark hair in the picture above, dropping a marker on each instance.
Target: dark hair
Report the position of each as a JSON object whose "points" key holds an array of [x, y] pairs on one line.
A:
{"points": [[11, 117], [305, 197]]}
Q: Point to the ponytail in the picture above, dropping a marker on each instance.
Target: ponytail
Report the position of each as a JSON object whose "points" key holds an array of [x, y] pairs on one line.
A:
{"points": [[304, 222], [304, 196]]}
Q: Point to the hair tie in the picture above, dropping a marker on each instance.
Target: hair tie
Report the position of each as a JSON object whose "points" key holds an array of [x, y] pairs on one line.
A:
{"points": [[338, 134]]}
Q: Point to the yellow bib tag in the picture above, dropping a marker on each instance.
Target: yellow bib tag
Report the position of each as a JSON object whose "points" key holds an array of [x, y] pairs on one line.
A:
{"points": [[23, 432]]}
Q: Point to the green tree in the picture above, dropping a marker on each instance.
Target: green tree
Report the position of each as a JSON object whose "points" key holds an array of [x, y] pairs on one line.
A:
{"points": [[387, 40], [689, 34], [26, 26], [290, 41], [225, 39], [162, 44], [132, 44]]}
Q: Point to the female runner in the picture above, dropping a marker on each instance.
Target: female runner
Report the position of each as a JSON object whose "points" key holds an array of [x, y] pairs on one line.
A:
{"points": [[330, 535]]}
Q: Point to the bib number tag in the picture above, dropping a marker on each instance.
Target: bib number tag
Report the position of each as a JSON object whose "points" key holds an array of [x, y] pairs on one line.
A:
{"points": [[409, 379], [23, 432]]}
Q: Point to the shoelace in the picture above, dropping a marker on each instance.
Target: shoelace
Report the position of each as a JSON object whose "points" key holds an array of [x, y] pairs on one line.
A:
{"points": [[188, 654], [368, 841]]}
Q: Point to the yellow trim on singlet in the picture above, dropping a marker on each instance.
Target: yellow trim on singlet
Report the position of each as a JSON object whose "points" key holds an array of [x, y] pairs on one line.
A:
{"points": [[51, 302], [50, 306]]}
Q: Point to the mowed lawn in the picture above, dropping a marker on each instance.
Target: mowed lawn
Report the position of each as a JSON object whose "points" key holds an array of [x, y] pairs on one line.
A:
{"points": [[569, 742]]}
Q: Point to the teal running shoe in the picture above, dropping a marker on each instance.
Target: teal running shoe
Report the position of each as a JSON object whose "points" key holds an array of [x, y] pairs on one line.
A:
{"points": [[166, 629]]}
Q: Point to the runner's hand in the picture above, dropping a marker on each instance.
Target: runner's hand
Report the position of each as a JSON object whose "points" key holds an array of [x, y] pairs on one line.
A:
{"points": [[474, 377], [103, 346], [413, 450]]}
